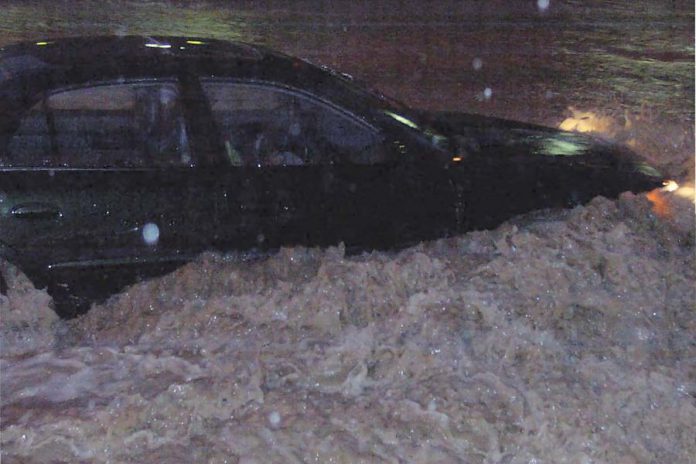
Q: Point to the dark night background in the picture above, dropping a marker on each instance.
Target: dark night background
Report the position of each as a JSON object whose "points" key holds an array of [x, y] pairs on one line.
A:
{"points": [[537, 61]]}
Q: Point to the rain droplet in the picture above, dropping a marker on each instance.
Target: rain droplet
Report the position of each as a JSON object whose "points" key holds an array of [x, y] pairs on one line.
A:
{"points": [[151, 233], [274, 418], [477, 63], [543, 4], [487, 93]]}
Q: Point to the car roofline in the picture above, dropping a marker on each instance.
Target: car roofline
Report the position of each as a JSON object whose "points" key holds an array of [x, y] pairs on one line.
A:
{"points": [[67, 51]]}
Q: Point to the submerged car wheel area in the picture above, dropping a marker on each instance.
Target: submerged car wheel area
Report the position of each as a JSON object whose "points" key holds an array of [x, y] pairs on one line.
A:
{"points": [[123, 158]]}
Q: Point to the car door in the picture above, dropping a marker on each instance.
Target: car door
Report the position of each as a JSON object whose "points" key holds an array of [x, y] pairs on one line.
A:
{"points": [[271, 191], [100, 186], [323, 174]]}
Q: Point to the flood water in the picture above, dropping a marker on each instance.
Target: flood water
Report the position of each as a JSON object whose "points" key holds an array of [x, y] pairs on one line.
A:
{"points": [[560, 337]]}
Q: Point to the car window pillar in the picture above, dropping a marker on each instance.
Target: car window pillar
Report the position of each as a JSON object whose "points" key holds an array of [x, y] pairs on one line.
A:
{"points": [[205, 139], [51, 124]]}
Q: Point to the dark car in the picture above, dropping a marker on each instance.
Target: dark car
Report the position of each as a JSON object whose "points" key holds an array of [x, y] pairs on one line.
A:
{"points": [[123, 158]]}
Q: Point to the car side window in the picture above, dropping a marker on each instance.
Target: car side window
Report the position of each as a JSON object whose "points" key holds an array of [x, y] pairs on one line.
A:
{"points": [[266, 125], [138, 124]]}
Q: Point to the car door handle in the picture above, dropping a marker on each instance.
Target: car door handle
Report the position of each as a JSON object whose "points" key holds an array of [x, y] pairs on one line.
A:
{"points": [[35, 210]]}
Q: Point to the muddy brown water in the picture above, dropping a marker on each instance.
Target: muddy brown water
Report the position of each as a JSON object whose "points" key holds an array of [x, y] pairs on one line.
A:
{"points": [[561, 336]]}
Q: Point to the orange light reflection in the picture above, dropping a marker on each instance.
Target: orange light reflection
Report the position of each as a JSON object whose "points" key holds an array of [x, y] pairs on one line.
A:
{"points": [[659, 202]]}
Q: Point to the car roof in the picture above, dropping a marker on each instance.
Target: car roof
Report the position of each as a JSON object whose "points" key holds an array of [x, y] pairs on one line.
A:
{"points": [[76, 51], [73, 60]]}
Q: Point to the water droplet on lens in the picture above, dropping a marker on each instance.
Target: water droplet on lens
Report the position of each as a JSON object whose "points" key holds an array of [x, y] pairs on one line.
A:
{"points": [[274, 418], [151, 233]]}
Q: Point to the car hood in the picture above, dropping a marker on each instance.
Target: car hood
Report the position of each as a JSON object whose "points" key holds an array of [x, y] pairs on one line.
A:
{"points": [[469, 135]]}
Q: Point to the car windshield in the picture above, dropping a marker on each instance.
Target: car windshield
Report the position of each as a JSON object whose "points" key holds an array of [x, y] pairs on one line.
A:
{"points": [[388, 102], [364, 89], [388, 106]]}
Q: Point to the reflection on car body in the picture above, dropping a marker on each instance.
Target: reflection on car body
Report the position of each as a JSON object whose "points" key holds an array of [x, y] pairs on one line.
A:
{"points": [[122, 158]]}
